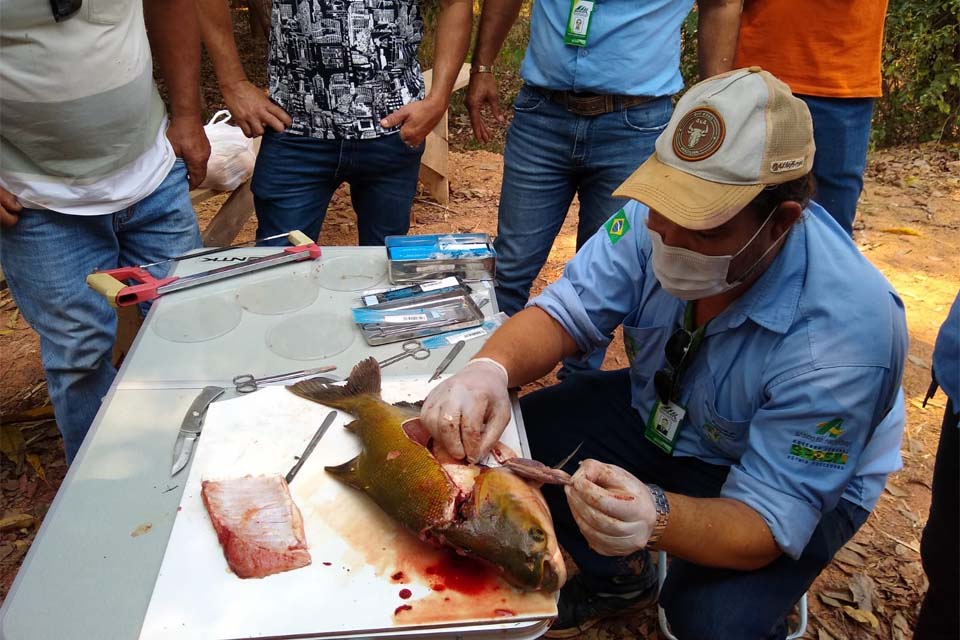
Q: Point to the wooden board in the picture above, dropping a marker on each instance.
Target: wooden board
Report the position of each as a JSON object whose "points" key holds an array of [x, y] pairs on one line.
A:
{"points": [[362, 560]]}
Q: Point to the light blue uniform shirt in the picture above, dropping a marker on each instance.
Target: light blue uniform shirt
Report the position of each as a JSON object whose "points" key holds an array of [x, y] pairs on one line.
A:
{"points": [[946, 355], [633, 48], [796, 385]]}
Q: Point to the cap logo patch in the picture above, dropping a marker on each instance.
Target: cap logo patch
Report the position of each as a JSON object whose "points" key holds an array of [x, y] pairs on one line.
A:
{"points": [[699, 134], [779, 166]]}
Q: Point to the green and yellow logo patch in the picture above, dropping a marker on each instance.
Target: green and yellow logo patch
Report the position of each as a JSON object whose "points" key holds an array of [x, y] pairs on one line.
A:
{"points": [[832, 428], [817, 454], [617, 226]]}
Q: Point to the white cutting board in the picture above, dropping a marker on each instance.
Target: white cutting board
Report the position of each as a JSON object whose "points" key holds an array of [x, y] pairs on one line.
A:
{"points": [[363, 562]]}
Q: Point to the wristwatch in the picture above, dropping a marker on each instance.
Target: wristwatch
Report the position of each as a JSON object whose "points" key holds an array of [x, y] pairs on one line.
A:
{"points": [[663, 515], [481, 68]]}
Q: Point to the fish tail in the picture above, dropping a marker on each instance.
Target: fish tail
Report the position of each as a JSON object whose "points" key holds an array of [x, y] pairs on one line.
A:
{"points": [[364, 380]]}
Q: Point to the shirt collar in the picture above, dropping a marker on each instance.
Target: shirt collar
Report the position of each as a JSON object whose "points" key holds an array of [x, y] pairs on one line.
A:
{"points": [[772, 300]]}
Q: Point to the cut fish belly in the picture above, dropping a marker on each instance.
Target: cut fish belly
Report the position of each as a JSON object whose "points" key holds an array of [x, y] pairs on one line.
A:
{"points": [[257, 523]]}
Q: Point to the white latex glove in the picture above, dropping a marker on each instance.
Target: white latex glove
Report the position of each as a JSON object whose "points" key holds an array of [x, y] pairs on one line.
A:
{"points": [[614, 510], [468, 412]]}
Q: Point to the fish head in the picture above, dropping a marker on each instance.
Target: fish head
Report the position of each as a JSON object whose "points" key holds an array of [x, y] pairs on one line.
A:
{"points": [[507, 524]]}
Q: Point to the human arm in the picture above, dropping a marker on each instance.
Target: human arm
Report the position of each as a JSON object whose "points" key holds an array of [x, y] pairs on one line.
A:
{"points": [[10, 209], [249, 107], [175, 41], [616, 513], [496, 19], [719, 26], [800, 457], [417, 119]]}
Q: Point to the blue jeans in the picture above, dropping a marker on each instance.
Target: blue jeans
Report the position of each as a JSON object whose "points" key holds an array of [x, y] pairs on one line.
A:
{"points": [[552, 154], [46, 258], [295, 177], [594, 408], [841, 131]]}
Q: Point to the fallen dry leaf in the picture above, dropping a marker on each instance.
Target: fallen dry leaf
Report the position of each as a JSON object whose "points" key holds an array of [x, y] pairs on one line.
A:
{"points": [[901, 231], [849, 557], [830, 601], [823, 635], [34, 461], [895, 490], [16, 521], [863, 589], [839, 595], [11, 442], [863, 617]]}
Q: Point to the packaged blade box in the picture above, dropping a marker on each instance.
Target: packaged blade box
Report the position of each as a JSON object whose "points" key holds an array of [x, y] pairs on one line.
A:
{"points": [[417, 316], [429, 257]]}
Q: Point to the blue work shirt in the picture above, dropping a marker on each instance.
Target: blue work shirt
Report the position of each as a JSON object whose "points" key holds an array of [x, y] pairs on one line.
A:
{"points": [[946, 355], [796, 385], [633, 48]]}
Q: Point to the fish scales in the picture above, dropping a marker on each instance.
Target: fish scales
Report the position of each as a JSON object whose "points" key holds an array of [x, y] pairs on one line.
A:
{"points": [[422, 495]]}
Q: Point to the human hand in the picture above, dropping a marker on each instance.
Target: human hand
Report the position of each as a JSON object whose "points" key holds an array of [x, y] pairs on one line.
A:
{"points": [[190, 143], [252, 110], [481, 91], [614, 510], [467, 413], [10, 209], [416, 119]]}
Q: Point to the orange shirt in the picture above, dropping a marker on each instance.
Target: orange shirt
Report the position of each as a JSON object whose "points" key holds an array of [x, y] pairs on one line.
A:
{"points": [[828, 48]]}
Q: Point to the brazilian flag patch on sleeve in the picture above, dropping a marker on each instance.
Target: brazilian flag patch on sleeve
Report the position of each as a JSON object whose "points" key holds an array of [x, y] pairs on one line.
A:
{"points": [[617, 226]]}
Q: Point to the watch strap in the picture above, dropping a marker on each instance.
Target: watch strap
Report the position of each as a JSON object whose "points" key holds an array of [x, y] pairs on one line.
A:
{"points": [[663, 515], [481, 68]]}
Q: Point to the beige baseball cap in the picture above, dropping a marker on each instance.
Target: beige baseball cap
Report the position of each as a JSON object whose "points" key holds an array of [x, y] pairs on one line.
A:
{"points": [[730, 136]]}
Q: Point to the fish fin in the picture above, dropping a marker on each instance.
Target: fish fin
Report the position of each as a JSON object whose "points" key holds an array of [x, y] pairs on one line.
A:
{"points": [[353, 426], [347, 472], [364, 380], [412, 406]]}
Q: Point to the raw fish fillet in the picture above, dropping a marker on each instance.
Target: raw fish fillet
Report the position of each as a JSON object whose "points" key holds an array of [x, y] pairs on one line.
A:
{"points": [[257, 523]]}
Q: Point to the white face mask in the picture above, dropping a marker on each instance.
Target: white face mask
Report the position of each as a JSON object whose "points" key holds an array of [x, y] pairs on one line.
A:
{"points": [[690, 275]]}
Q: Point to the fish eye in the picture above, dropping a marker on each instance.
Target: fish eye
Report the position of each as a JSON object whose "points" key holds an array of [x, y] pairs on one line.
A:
{"points": [[537, 534]]}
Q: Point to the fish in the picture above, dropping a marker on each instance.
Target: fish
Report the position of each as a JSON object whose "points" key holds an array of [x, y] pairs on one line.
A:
{"points": [[483, 512], [257, 523]]}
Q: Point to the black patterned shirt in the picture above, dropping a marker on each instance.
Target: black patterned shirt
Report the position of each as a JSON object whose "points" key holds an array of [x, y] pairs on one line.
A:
{"points": [[338, 66]]}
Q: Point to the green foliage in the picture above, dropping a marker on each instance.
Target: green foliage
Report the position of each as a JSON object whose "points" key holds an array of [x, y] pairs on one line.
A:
{"points": [[921, 73]]}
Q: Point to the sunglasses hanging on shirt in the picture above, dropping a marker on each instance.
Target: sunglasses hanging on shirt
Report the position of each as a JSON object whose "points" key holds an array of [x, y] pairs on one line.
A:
{"points": [[65, 9]]}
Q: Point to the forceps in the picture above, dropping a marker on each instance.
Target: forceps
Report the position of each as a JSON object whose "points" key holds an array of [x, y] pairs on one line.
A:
{"points": [[245, 383], [412, 349]]}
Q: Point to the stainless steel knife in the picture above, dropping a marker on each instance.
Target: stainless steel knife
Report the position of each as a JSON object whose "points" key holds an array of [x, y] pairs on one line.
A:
{"points": [[311, 445], [191, 426]]}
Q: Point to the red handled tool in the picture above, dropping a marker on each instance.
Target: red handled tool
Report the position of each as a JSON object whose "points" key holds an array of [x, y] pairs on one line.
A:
{"points": [[112, 283]]}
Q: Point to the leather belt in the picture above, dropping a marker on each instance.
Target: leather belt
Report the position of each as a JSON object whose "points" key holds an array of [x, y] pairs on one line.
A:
{"points": [[593, 104]]}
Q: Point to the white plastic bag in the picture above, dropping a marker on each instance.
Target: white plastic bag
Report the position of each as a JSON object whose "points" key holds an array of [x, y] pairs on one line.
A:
{"points": [[232, 155]]}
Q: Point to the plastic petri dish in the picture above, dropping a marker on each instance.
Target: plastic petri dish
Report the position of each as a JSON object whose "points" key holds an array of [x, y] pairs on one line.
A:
{"points": [[277, 296], [351, 273], [311, 336], [196, 319]]}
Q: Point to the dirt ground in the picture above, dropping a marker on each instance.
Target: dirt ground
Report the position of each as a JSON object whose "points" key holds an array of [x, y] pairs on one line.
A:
{"points": [[908, 226]]}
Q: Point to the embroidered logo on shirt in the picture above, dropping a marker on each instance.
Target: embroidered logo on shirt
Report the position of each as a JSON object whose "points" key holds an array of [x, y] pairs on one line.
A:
{"points": [[835, 458], [617, 226], [832, 428], [698, 135]]}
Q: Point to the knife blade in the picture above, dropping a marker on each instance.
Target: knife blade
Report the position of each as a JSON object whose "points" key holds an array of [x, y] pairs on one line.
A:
{"points": [[457, 348], [190, 427], [311, 445]]}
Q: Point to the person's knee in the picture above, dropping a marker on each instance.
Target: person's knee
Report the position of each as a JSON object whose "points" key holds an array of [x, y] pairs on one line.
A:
{"points": [[706, 610]]}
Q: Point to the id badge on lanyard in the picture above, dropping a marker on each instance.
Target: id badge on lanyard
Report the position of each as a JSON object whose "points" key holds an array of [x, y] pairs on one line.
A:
{"points": [[578, 22], [663, 426]]}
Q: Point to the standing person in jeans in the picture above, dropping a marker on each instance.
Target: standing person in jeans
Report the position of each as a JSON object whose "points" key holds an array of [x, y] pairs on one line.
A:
{"points": [[938, 619], [594, 101], [346, 104], [93, 173], [829, 54]]}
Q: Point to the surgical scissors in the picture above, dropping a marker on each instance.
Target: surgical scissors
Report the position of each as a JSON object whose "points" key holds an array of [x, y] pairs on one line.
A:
{"points": [[411, 349], [245, 382]]}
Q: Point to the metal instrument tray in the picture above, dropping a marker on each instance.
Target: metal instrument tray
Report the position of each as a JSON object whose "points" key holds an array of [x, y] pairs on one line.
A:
{"points": [[468, 315]]}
